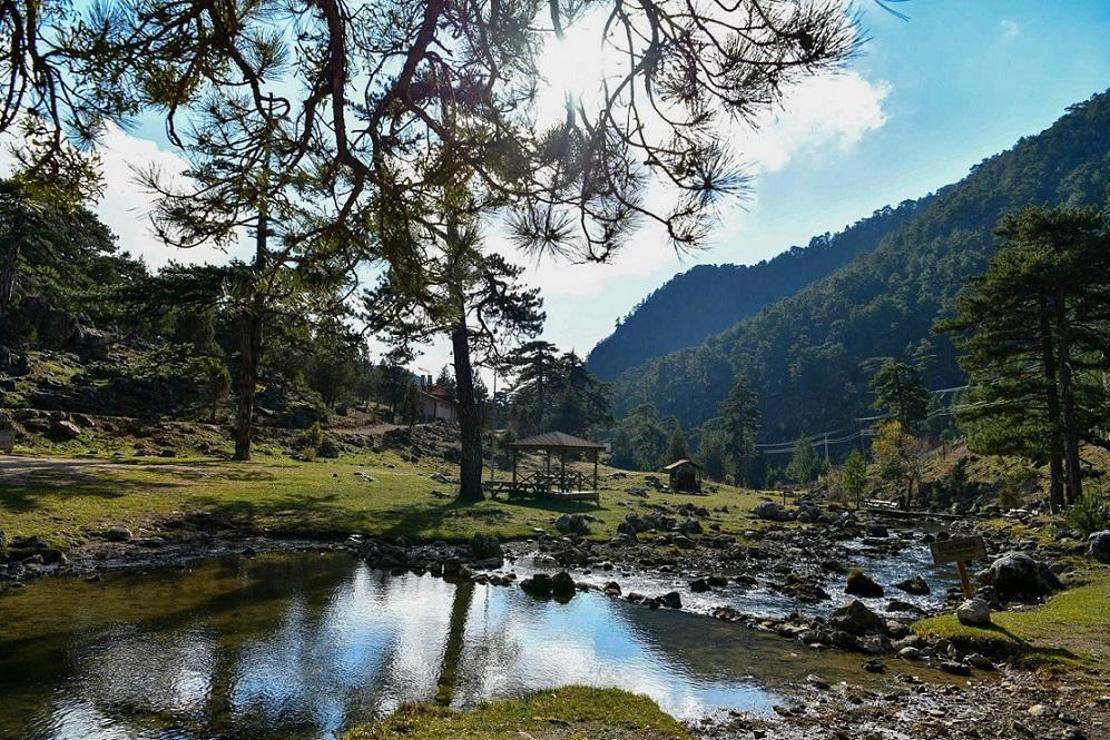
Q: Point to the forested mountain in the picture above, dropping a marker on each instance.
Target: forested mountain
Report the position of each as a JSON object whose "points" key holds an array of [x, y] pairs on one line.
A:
{"points": [[707, 299], [802, 354]]}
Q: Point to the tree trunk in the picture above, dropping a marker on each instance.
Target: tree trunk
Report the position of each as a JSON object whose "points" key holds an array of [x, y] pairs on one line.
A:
{"points": [[1073, 481], [250, 346], [470, 466], [1055, 451], [7, 280]]}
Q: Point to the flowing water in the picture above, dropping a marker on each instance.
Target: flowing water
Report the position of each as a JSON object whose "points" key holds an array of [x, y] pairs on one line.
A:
{"points": [[306, 644]]}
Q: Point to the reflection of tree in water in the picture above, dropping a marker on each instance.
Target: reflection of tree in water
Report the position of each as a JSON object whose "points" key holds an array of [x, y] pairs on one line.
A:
{"points": [[453, 648]]}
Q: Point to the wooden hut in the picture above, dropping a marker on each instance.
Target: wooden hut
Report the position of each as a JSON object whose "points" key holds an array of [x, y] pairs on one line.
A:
{"points": [[685, 476], [552, 481]]}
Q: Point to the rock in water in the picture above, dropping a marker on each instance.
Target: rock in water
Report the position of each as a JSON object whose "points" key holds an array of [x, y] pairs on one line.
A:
{"points": [[562, 585], [974, 612], [672, 600], [538, 585], [860, 584], [856, 619], [1099, 547], [915, 586]]}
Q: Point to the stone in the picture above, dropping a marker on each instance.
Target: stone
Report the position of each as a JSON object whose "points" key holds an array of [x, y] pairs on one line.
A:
{"points": [[771, 511], [980, 661], [1040, 710], [117, 534], [64, 430], [572, 524], [484, 547], [537, 585], [974, 612], [915, 586], [672, 600], [874, 666], [817, 682], [856, 619], [1018, 576], [909, 653], [956, 669], [699, 585], [612, 588], [562, 585], [1098, 546], [328, 448], [860, 584]]}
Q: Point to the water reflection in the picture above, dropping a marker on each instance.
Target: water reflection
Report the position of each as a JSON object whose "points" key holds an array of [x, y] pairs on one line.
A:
{"points": [[304, 646]]}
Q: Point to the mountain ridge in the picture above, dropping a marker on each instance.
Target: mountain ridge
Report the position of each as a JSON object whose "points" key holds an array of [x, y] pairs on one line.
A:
{"points": [[801, 354]]}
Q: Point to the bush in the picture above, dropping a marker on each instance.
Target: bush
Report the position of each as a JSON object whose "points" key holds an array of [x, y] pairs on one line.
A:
{"points": [[1091, 513], [313, 437]]}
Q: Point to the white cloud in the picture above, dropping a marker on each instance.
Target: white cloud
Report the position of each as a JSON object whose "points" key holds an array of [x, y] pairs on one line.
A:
{"points": [[126, 208], [1010, 29], [820, 113], [823, 116]]}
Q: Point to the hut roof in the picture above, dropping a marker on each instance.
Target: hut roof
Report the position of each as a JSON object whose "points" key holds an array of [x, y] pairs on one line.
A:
{"points": [[554, 441], [680, 464]]}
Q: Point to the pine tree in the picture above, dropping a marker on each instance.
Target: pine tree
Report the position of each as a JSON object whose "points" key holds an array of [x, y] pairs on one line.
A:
{"points": [[900, 391], [1034, 332], [740, 412], [804, 465], [854, 476]]}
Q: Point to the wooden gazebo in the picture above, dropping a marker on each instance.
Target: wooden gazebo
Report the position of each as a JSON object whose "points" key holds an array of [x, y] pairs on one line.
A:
{"points": [[548, 482], [685, 476]]}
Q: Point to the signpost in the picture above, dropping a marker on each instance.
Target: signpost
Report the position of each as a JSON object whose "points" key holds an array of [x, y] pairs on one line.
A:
{"points": [[7, 440], [959, 551]]}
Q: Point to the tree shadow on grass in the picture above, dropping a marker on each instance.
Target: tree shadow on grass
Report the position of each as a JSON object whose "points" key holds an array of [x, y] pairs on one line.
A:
{"points": [[1003, 642], [32, 493], [289, 515]]}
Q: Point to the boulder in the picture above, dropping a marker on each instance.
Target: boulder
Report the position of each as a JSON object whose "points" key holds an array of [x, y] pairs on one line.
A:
{"points": [[699, 585], [562, 585], [572, 524], [856, 619], [1099, 546], [916, 586], [483, 547], [771, 511], [328, 448], [975, 612], [117, 534], [861, 584], [672, 600], [538, 585], [1018, 576], [64, 430], [612, 588]]}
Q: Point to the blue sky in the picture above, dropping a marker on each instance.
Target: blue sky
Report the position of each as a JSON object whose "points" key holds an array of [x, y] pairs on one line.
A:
{"points": [[927, 98], [963, 79]]}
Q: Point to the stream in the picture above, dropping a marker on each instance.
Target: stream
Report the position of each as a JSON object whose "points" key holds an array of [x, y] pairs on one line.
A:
{"points": [[298, 645]]}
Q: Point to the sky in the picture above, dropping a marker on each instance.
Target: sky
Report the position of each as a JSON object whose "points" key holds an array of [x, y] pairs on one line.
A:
{"points": [[926, 99]]}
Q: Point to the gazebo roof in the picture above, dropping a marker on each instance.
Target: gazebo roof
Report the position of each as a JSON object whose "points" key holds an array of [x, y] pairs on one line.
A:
{"points": [[679, 464], [554, 441]]}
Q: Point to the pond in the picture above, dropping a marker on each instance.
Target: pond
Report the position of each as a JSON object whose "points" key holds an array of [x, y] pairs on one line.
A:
{"points": [[306, 644]]}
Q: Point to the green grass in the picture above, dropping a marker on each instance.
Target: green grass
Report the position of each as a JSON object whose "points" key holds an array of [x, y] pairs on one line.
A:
{"points": [[568, 712], [1068, 633], [324, 498]]}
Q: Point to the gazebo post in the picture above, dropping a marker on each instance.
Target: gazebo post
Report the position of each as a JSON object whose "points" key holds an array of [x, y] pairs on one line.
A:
{"points": [[514, 468], [563, 469], [595, 469]]}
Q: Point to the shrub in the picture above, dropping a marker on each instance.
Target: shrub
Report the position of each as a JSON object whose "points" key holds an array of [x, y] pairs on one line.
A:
{"points": [[1091, 513]]}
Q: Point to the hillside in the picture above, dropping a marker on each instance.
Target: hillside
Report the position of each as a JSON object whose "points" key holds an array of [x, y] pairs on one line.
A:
{"points": [[708, 299], [802, 354]]}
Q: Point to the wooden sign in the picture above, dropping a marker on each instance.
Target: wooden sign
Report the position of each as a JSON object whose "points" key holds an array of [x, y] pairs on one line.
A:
{"points": [[958, 550]]}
